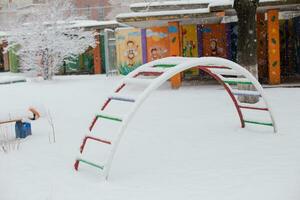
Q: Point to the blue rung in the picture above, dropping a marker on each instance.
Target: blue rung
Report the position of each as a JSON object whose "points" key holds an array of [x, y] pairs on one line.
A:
{"points": [[122, 99], [246, 94]]}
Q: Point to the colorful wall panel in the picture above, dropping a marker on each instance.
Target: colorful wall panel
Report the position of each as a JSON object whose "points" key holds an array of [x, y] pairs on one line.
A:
{"points": [[190, 45], [262, 48], [296, 22], [214, 40], [13, 62], [273, 47], [175, 48], [157, 43], [129, 49], [231, 34]]}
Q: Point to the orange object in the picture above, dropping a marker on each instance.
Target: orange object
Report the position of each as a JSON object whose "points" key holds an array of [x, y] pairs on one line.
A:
{"points": [[157, 43], [97, 57], [35, 113], [214, 40], [175, 49], [273, 47]]}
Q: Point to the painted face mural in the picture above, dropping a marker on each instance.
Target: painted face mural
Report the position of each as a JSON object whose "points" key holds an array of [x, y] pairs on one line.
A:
{"points": [[131, 52], [157, 43], [129, 49]]}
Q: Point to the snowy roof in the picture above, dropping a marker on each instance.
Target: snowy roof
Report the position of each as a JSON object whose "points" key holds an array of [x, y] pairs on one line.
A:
{"points": [[157, 13], [164, 13], [94, 23], [168, 3]]}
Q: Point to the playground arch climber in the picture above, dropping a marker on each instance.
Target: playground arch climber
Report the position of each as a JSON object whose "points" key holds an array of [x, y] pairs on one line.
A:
{"points": [[227, 73]]}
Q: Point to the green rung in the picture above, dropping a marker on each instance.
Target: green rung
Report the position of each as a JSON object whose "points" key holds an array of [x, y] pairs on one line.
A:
{"points": [[90, 163], [238, 82], [165, 65], [259, 123], [109, 117]]}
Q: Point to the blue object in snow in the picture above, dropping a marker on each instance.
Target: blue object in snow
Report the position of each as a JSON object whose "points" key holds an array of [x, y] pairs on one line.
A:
{"points": [[23, 129]]}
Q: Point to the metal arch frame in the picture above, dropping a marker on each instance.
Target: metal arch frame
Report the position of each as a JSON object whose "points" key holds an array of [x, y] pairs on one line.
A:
{"points": [[182, 64]]}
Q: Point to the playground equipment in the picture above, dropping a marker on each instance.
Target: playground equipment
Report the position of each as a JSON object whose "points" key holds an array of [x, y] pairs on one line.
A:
{"points": [[20, 115], [226, 72]]}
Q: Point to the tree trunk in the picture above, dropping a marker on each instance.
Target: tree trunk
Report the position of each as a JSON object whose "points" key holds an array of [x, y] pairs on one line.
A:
{"points": [[247, 42]]}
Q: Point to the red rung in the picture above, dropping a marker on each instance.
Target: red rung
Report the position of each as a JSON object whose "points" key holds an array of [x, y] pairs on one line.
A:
{"points": [[149, 74], [76, 165], [120, 88], [93, 123], [92, 138], [97, 139], [253, 108]]}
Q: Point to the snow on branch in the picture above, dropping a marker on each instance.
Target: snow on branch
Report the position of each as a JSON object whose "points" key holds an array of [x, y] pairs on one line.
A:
{"points": [[45, 39]]}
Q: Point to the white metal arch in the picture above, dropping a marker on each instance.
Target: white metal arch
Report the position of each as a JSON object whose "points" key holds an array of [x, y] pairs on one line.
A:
{"points": [[216, 67]]}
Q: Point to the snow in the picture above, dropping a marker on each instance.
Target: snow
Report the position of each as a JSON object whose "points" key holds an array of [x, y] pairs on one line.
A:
{"points": [[93, 23], [211, 3], [168, 3], [182, 144], [6, 78], [163, 13], [3, 34], [189, 2]]}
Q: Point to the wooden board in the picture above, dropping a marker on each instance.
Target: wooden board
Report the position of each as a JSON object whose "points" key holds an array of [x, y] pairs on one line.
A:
{"points": [[273, 47]]}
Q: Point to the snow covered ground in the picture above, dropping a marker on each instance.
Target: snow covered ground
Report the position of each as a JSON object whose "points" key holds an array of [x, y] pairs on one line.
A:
{"points": [[7, 78], [182, 144]]}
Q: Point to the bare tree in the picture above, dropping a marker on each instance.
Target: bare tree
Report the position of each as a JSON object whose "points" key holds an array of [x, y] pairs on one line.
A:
{"points": [[47, 38], [247, 41]]}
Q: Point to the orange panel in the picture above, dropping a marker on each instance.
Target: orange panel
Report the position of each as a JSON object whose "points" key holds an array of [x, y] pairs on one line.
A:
{"points": [[97, 58], [214, 40], [157, 43], [175, 49], [273, 47]]}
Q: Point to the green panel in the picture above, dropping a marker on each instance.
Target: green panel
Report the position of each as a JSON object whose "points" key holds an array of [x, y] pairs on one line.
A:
{"points": [[13, 61], [88, 62], [73, 65]]}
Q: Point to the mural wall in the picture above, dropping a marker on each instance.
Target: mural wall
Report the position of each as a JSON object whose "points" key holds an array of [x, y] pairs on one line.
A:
{"points": [[129, 49], [214, 40], [157, 43], [190, 45]]}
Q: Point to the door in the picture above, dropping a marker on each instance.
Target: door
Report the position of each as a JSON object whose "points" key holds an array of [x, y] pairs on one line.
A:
{"points": [[110, 52]]}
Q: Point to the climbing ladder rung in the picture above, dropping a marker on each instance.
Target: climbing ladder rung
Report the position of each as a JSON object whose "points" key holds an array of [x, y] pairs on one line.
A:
{"points": [[118, 97], [213, 67], [258, 123], [246, 93], [96, 139], [235, 81], [164, 65], [79, 159], [253, 108], [153, 69], [138, 81], [109, 117], [222, 71]]}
